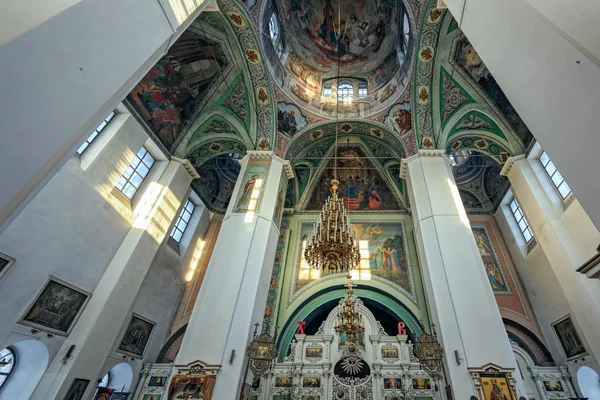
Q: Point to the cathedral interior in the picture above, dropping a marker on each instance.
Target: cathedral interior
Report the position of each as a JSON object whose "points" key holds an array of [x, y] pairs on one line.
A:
{"points": [[300, 200]]}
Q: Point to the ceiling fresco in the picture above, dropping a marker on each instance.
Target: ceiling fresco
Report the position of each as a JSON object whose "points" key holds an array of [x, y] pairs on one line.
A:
{"points": [[365, 32]]}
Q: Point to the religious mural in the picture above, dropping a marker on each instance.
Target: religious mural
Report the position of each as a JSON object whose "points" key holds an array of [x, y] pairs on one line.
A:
{"points": [[383, 72], [388, 255], [362, 187], [364, 33], [171, 92], [471, 63], [56, 308], [281, 191], [289, 119], [136, 337], [489, 256], [399, 117], [569, 338], [254, 179]]}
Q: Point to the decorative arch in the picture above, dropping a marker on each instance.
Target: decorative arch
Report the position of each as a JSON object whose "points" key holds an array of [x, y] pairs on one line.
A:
{"points": [[528, 342], [171, 347], [304, 310]]}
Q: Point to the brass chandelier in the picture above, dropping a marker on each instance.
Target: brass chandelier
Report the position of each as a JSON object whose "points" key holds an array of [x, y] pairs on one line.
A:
{"points": [[350, 319]]}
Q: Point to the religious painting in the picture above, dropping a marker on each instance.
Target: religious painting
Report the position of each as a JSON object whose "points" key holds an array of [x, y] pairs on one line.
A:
{"points": [[384, 247], [392, 383], [289, 119], [192, 387], [569, 338], [157, 381], [421, 383], [281, 193], [173, 90], [311, 382], [152, 396], [314, 352], [136, 337], [362, 187], [308, 75], [103, 393], [383, 72], [389, 352], [553, 386], [250, 194], [5, 263], [56, 307], [283, 381], [77, 389], [471, 63], [324, 35], [123, 396], [496, 387], [356, 339], [493, 268], [399, 117]]}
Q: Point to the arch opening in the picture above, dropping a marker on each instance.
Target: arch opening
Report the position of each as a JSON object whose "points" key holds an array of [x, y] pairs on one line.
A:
{"points": [[31, 358]]}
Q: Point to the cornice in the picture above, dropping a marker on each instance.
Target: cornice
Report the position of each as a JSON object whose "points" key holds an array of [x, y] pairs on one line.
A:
{"points": [[510, 161], [421, 153], [187, 165]]}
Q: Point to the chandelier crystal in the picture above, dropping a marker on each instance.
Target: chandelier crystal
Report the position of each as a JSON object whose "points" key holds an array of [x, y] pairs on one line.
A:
{"points": [[331, 247], [350, 319]]}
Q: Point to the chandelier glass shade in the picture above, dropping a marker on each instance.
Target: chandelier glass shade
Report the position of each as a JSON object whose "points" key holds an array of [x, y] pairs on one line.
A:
{"points": [[331, 247], [350, 319]]}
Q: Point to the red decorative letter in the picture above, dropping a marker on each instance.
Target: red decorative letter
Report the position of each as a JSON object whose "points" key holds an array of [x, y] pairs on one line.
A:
{"points": [[401, 328], [301, 327]]}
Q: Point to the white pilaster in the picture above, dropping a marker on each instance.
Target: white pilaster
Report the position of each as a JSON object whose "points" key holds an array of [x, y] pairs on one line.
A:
{"points": [[234, 293], [561, 249], [108, 309], [461, 300]]}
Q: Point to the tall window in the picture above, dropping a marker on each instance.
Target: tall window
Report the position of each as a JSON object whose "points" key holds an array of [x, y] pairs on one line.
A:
{"points": [[134, 174], [362, 91], [515, 208], [273, 28], [96, 133], [555, 176], [7, 364], [345, 91], [327, 91], [459, 156], [183, 220]]}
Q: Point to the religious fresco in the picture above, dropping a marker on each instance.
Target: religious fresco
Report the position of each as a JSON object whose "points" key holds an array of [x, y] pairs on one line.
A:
{"points": [[365, 33], [493, 268], [468, 59], [289, 119], [281, 192], [383, 72], [388, 258], [362, 187], [400, 117], [171, 92], [308, 75], [254, 179]]}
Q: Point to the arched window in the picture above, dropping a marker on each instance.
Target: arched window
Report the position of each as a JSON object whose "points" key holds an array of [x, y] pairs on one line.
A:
{"points": [[273, 28], [363, 91], [7, 364], [345, 91], [327, 91]]}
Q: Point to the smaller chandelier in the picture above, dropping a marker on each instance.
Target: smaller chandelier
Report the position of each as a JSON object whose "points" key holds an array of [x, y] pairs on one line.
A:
{"points": [[350, 319], [331, 246]]}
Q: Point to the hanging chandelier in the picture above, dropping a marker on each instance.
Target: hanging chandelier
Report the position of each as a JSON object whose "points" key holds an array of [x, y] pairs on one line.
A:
{"points": [[350, 319], [331, 247]]}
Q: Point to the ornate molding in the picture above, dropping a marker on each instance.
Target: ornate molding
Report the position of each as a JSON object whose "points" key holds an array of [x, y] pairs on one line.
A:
{"points": [[188, 166], [510, 161], [421, 153]]}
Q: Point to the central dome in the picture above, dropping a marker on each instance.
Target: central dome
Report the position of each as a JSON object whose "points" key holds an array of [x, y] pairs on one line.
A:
{"points": [[367, 37]]}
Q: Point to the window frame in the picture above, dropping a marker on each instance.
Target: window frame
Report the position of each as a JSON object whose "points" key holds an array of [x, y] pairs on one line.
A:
{"points": [[519, 219], [135, 171], [12, 369], [363, 89], [345, 91], [180, 218], [273, 28], [327, 91], [554, 173], [94, 135]]}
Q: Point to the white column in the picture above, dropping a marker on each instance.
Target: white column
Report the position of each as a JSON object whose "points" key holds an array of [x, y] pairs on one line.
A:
{"points": [[537, 54], [85, 53], [560, 247], [461, 300], [108, 309], [234, 292]]}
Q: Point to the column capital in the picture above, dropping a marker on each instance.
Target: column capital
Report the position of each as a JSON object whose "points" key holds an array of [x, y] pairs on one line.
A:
{"points": [[421, 153], [188, 166], [510, 161], [269, 155]]}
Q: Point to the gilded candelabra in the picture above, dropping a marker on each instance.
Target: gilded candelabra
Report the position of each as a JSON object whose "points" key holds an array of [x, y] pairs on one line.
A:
{"points": [[350, 319]]}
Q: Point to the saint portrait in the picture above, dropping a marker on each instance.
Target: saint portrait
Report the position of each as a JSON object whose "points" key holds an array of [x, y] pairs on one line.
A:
{"points": [[493, 267], [136, 337], [421, 383], [314, 352], [392, 383], [495, 387], [553, 386], [77, 389], [569, 338], [103, 393], [283, 381], [311, 382], [250, 193], [56, 307], [157, 381], [152, 396]]}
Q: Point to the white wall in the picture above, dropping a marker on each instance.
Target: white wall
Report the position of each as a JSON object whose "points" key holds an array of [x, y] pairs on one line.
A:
{"points": [[31, 362]]}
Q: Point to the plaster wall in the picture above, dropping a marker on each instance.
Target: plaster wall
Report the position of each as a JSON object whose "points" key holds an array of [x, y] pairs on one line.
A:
{"points": [[553, 85], [89, 56]]}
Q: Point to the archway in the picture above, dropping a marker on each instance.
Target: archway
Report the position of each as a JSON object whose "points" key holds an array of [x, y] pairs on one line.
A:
{"points": [[524, 363], [119, 378], [589, 382], [31, 361]]}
